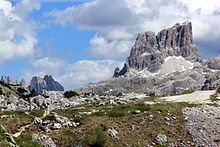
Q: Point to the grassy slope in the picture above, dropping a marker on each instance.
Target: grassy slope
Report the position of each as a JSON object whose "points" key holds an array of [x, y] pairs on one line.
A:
{"points": [[8, 91], [133, 129]]}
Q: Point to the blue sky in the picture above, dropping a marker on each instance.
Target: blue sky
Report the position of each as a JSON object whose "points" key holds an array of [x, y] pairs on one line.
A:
{"points": [[80, 41]]}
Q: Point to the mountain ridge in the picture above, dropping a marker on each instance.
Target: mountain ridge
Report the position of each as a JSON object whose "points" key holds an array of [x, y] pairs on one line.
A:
{"points": [[161, 65]]}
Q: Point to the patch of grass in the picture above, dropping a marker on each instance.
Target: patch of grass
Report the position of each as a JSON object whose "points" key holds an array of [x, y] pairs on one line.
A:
{"points": [[25, 140], [37, 113], [3, 142], [99, 139], [118, 111], [152, 98], [133, 130], [189, 91]]}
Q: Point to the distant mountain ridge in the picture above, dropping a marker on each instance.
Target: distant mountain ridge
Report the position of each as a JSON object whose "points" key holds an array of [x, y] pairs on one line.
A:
{"points": [[46, 83]]}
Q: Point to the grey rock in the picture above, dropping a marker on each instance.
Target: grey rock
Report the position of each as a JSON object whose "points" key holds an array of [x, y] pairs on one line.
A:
{"points": [[10, 139], [160, 139], [203, 124], [44, 140], [214, 63], [39, 101], [156, 85], [116, 72], [56, 126], [8, 80], [38, 121], [23, 83], [112, 133], [136, 112], [150, 50], [212, 81], [47, 83]]}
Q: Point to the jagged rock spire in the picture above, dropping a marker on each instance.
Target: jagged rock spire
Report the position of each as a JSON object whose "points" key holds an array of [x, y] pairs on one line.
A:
{"points": [[150, 50]]}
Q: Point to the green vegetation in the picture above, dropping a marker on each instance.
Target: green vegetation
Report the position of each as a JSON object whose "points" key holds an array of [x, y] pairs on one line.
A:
{"points": [[91, 132], [189, 91], [32, 94], [21, 90], [152, 98], [3, 142], [99, 139], [133, 129], [1, 92], [69, 94], [213, 97], [7, 90], [25, 140]]}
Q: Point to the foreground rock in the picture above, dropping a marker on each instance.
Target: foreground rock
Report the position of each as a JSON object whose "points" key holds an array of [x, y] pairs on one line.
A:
{"points": [[204, 125], [44, 140], [160, 139], [112, 133]]}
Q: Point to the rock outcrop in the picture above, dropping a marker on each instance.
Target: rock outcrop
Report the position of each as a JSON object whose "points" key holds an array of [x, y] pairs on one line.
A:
{"points": [[214, 63], [8, 80], [47, 83], [23, 83], [160, 65], [150, 49]]}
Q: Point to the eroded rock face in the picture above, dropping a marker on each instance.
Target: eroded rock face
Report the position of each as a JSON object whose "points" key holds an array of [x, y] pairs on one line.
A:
{"points": [[150, 49], [8, 80], [161, 64], [214, 63], [47, 83]]}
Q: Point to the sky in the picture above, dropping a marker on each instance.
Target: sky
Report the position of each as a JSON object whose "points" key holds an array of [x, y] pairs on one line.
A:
{"points": [[82, 41]]}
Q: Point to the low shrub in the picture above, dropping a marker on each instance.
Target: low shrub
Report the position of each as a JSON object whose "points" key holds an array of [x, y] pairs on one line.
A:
{"points": [[25, 140], [21, 90], [69, 94], [99, 139]]}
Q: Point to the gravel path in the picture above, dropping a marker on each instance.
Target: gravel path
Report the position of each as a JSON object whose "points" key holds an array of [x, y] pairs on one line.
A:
{"points": [[195, 97]]}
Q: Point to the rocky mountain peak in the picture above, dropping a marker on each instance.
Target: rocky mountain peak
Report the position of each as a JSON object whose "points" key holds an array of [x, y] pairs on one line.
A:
{"points": [[8, 80], [150, 50], [47, 83], [23, 83]]}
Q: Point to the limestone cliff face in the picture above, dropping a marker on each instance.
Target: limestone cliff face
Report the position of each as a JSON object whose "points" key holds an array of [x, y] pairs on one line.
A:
{"points": [[47, 83], [150, 50]]}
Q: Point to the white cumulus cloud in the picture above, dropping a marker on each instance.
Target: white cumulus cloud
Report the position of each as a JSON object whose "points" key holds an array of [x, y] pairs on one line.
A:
{"points": [[17, 37], [118, 22], [85, 71]]}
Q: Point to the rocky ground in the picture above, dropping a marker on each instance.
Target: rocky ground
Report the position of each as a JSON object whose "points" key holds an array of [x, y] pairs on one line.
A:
{"points": [[131, 119], [204, 125]]}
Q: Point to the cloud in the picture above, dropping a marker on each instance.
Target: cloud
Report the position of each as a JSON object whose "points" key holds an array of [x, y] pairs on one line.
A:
{"points": [[17, 37], [85, 71], [118, 22], [44, 66], [72, 74]]}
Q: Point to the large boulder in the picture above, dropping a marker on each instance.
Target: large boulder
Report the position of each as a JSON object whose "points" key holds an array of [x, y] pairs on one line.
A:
{"points": [[214, 63]]}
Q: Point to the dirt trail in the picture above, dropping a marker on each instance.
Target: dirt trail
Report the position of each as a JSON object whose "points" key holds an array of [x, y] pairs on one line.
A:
{"points": [[23, 128]]}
